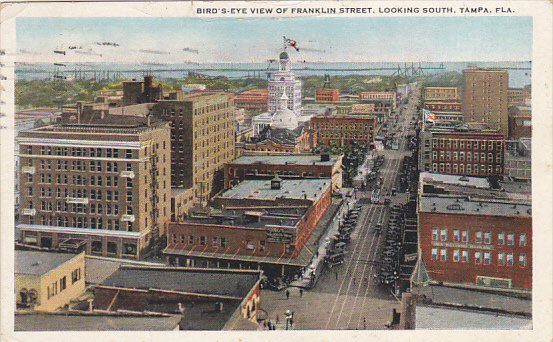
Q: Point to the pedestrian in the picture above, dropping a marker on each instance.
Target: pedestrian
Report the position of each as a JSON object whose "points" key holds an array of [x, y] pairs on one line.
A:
{"points": [[301, 292], [277, 319], [353, 280], [287, 294], [336, 273], [366, 281], [264, 324], [364, 323]]}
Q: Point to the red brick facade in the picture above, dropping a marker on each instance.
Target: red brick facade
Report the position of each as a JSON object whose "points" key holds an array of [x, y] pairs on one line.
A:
{"points": [[324, 95], [454, 248], [468, 153], [342, 129], [255, 100], [240, 240]]}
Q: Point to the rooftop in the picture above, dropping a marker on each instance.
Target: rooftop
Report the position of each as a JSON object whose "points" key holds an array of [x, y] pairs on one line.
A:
{"points": [[39, 263], [290, 159], [468, 206], [74, 322], [311, 189], [457, 180], [233, 283], [432, 317]]}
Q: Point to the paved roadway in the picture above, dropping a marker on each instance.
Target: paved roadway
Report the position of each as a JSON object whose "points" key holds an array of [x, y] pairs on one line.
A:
{"points": [[348, 296]]}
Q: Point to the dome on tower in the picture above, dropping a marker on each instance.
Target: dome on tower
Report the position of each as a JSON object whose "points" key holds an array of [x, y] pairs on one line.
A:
{"points": [[284, 55], [284, 117]]}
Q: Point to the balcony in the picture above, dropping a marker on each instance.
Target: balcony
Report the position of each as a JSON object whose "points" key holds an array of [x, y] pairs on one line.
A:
{"points": [[127, 174], [29, 212], [127, 218], [28, 169], [77, 200]]}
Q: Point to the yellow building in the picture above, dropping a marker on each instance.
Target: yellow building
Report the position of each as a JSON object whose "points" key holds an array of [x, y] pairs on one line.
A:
{"points": [[48, 281]]}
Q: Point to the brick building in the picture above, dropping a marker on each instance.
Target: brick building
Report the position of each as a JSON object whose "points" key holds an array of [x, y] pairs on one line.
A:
{"points": [[519, 96], [344, 129], [384, 101], [141, 91], [103, 186], [441, 94], [209, 299], [459, 150], [476, 239], [289, 166], [202, 140], [520, 122], [257, 223], [254, 100], [326, 95], [485, 97]]}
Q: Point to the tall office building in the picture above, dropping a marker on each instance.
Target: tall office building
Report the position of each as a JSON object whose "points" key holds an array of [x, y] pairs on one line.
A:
{"points": [[202, 140], [103, 186], [485, 98], [285, 81]]}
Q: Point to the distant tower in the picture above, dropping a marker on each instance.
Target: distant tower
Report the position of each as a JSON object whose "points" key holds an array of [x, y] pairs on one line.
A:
{"points": [[285, 81]]}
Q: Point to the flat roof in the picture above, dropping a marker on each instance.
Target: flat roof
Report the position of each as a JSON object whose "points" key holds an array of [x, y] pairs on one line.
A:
{"points": [[432, 317], [475, 182], [465, 205], [200, 281], [286, 159], [39, 263], [80, 322], [310, 189]]}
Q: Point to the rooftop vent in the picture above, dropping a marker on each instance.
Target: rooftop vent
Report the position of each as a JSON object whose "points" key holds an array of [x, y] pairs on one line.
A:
{"points": [[276, 183]]}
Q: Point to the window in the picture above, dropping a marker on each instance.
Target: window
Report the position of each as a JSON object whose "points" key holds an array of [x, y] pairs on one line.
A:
{"points": [[223, 242], [456, 235], [63, 283], [202, 240], [465, 256], [477, 257], [215, 241], [510, 261], [487, 238], [522, 260], [501, 238], [465, 236], [443, 254], [456, 255], [191, 239], [435, 234], [175, 238], [522, 241], [501, 259], [487, 258], [511, 239], [443, 234], [478, 237], [76, 274]]}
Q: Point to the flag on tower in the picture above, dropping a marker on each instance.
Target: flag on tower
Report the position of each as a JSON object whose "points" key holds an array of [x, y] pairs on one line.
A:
{"points": [[429, 116], [292, 43]]}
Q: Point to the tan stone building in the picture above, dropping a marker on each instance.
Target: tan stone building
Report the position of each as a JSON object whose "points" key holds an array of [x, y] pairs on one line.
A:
{"points": [[202, 140], [102, 186], [441, 93], [485, 98], [48, 281]]}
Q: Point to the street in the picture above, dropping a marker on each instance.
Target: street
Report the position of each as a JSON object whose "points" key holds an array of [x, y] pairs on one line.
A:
{"points": [[349, 296]]}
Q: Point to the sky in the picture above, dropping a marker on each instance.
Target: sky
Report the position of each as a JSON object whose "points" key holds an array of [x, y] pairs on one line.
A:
{"points": [[405, 39]]}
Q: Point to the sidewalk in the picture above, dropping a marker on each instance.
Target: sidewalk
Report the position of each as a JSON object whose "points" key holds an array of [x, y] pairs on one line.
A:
{"points": [[315, 268]]}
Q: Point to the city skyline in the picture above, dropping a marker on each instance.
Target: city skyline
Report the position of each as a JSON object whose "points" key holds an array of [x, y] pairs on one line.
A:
{"points": [[139, 40]]}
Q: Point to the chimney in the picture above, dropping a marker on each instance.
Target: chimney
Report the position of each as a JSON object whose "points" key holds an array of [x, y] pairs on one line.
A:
{"points": [[276, 183]]}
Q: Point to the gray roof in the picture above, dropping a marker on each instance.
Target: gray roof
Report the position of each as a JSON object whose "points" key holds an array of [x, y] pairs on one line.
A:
{"points": [[209, 282], [291, 159], [311, 189], [57, 322], [428, 317], [39, 263], [467, 206], [457, 180]]}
